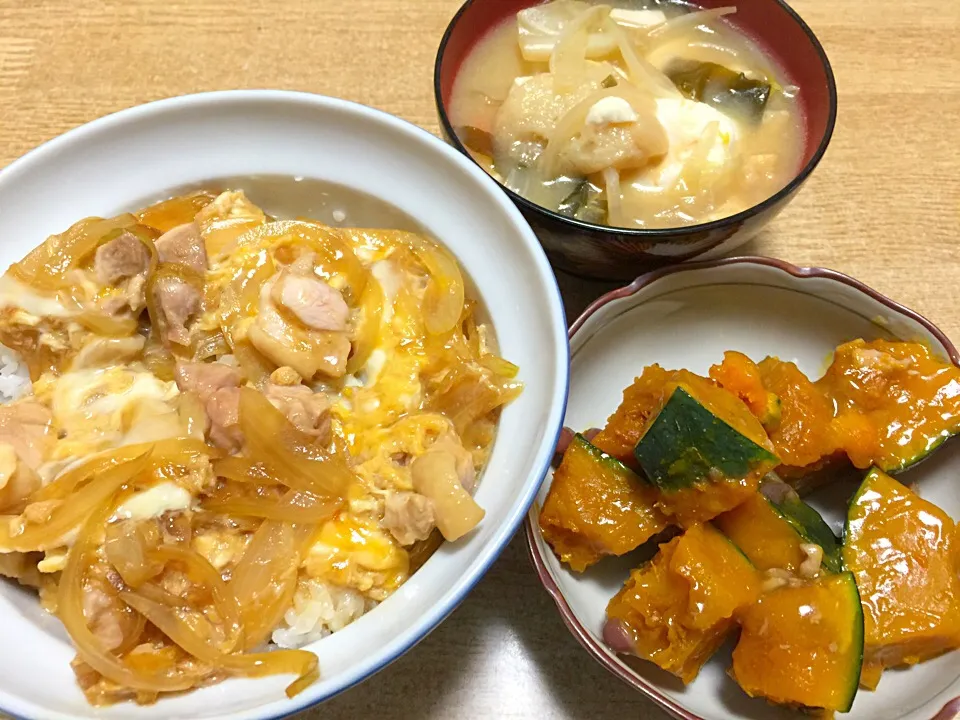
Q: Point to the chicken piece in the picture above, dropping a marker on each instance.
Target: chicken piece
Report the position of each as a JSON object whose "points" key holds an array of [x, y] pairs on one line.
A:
{"points": [[179, 302], [22, 567], [307, 351], [183, 245], [218, 387], [206, 378], [312, 302], [102, 617], [309, 411], [408, 516], [17, 480], [103, 352], [120, 258], [223, 410], [26, 426]]}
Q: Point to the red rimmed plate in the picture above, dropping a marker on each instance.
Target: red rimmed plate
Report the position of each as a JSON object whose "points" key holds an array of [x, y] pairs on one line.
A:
{"points": [[686, 316]]}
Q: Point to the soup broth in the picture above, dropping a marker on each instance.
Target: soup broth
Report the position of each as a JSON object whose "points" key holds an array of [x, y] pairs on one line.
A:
{"points": [[636, 115]]}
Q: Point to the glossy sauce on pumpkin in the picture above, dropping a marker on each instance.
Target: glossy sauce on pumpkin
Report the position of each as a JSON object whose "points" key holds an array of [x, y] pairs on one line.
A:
{"points": [[708, 497], [901, 549], [802, 645], [893, 402], [640, 401], [591, 510], [763, 535], [678, 608], [741, 376], [803, 437]]}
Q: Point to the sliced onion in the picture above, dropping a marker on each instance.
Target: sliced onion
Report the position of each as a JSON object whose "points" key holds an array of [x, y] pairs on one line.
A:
{"points": [[278, 662], [368, 332], [180, 210], [188, 628], [255, 366], [107, 325], [443, 299], [265, 579], [200, 570], [127, 547], [182, 450], [243, 470], [289, 455], [70, 612], [611, 180], [211, 345], [71, 512], [46, 266], [570, 52], [686, 23], [298, 508], [640, 71]]}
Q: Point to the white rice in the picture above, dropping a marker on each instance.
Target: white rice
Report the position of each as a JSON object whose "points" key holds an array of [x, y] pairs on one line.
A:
{"points": [[319, 609], [14, 376]]}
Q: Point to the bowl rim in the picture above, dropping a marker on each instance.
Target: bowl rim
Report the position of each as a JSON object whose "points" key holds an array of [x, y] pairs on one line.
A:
{"points": [[431, 617], [595, 648], [647, 234]]}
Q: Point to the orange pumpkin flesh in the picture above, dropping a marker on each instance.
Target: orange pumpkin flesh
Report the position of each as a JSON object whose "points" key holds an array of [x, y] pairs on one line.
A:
{"points": [[802, 645], [803, 439], [597, 507], [677, 609], [765, 537], [739, 375], [894, 402], [641, 400], [901, 549]]}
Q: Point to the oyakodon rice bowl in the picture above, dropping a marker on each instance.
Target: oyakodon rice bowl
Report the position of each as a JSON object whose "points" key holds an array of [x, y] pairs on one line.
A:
{"points": [[241, 435]]}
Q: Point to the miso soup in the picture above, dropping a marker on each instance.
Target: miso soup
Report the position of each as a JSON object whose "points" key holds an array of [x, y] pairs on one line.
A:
{"points": [[637, 115]]}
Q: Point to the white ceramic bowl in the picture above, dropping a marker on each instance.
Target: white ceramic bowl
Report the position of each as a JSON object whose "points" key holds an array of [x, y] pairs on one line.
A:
{"points": [[685, 317], [124, 160]]}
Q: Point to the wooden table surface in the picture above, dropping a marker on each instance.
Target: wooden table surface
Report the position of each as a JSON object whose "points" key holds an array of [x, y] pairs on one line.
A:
{"points": [[883, 206]]}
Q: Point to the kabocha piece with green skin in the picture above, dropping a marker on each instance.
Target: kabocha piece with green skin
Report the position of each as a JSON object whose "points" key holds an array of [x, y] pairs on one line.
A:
{"points": [[776, 529], [704, 450], [678, 608], [802, 645], [597, 506], [895, 402], [902, 550]]}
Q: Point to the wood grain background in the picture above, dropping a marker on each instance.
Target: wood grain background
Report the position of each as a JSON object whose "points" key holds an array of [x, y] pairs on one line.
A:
{"points": [[884, 206]]}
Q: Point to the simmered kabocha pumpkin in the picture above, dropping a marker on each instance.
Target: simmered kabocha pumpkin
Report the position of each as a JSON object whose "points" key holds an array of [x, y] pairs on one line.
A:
{"points": [[895, 402], [704, 450], [803, 645], [597, 506], [803, 439], [741, 376], [777, 530], [640, 401], [678, 608], [902, 550]]}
